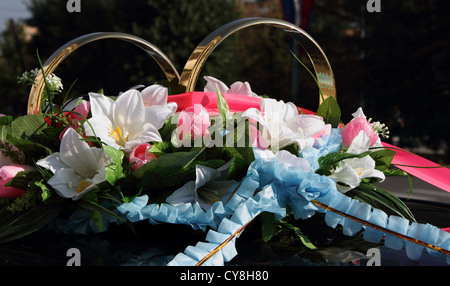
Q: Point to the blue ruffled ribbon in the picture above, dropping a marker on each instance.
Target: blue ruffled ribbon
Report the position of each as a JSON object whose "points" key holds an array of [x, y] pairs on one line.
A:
{"points": [[281, 186], [277, 186]]}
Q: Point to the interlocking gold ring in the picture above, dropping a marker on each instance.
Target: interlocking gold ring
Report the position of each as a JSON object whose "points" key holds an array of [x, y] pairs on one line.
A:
{"points": [[35, 97], [322, 68], [197, 60]]}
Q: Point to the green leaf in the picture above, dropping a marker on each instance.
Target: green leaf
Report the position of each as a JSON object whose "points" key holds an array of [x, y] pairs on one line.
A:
{"points": [[223, 107], [96, 210], [303, 238], [14, 226], [24, 127], [330, 111], [383, 159], [160, 148], [5, 120], [330, 161], [170, 164], [46, 191], [374, 195], [114, 170], [33, 149], [269, 225]]}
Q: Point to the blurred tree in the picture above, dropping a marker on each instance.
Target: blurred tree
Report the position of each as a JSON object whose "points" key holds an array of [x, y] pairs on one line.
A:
{"points": [[393, 63], [175, 27], [408, 70], [14, 60]]}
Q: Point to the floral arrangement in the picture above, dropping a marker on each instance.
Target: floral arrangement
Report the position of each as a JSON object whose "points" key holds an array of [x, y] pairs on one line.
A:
{"points": [[144, 155]]}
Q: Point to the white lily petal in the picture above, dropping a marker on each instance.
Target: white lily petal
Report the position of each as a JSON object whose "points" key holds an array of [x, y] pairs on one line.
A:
{"points": [[78, 155], [129, 112], [290, 111], [52, 162], [149, 134], [291, 160], [212, 192], [255, 114], [158, 114], [359, 113], [155, 95], [310, 124], [213, 84], [204, 174], [242, 88], [360, 143], [66, 182], [101, 104], [183, 195], [347, 175]]}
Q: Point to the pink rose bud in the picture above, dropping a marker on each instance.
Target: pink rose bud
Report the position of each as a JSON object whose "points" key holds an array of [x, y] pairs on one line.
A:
{"points": [[194, 121], [352, 129], [140, 156], [7, 173]]}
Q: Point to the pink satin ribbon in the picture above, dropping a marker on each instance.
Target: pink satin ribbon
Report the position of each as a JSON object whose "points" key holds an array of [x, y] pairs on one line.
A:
{"points": [[236, 102], [420, 167], [404, 160]]}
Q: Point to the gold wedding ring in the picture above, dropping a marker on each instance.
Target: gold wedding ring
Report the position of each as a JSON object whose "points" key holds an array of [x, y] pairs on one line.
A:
{"points": [[322, 68], [196, 61], [35, 97]]}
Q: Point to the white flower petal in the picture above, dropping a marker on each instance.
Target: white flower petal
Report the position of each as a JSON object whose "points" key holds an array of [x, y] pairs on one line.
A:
{"points": [[129, 112], [347, 175], [212, 192], [359, 113], [213, 84], [255, 114], [78, 155], [52, 162], [183, 195], [242, 88], [291, 160], [100, 104], [66, 182], [155, 95], [360, 143], [158, 114]]}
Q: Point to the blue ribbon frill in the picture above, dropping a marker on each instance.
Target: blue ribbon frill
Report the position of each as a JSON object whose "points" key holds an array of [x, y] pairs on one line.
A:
{"points": [[282, 185], [270, 186]]}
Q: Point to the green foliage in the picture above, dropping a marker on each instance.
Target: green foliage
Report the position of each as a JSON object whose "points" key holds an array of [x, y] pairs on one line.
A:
{"points": [[330, 111], [330, 161], [15, 225], [377, 197], [272, 228], [114, 170]]}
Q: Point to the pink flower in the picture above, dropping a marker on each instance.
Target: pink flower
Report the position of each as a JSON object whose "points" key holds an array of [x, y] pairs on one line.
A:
{"points": [[140, 156], [354, 127], [81, 112], [7, 173], [193, 121]]}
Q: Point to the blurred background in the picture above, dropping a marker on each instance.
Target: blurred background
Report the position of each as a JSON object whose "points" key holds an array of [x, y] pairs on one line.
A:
{"points": [[394, 63]]}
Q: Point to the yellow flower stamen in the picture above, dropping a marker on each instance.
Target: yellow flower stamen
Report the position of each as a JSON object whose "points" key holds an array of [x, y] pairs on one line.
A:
{"points": [[83, 185], [117, 135]]}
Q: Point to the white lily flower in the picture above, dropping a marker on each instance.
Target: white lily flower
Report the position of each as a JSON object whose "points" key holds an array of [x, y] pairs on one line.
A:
{"points": [[125, 122], [288, 159], [238, 87], [210, 186], [77, 168], [283, 125], [350, 172]]}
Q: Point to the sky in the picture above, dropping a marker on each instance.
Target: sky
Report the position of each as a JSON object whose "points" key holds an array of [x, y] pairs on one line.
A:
{"points": [[12, 9]]}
